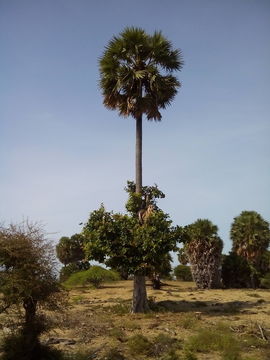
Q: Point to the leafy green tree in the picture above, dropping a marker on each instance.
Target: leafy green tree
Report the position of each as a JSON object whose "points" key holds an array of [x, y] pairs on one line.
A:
{"points": [[183, 273], [136, 79], [28, 279], [70, 250], [203, 249], [135, 247], [139, 203], [250, 235]]}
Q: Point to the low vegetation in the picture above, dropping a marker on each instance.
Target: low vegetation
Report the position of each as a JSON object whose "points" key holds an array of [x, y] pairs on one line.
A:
{"points": [[94, 276], [190, 324], [183, 273]]}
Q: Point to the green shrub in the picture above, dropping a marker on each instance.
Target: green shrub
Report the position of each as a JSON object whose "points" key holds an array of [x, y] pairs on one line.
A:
{"points": [[183, 273], [139, 344], [189, 321], [217, 339], [163, 343], [95, 276], [265, 281], [120, 309], [117, 333]]}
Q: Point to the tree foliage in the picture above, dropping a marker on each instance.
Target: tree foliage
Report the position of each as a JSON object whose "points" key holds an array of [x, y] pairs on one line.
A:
{"points": [[236, 271], [202, 247], [122, 242], [136, 73], [122, 239], [250, 235], [70, 249], [183, 273], [148, 196], [163, 271], [28, 266], [28, 279]]}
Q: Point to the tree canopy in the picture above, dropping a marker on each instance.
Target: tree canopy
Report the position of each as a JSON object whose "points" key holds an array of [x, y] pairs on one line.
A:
{"points": [[124, 241], [28, 266], [250, 235], [28, 280], [136, 73], [70, 249]]}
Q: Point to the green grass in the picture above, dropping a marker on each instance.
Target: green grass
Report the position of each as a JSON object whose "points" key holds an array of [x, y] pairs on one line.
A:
{"points": [[218, 339], [139, 344]]}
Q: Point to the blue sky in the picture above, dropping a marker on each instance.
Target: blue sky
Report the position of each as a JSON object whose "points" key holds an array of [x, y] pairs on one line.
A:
{"points": [[62, 153]]}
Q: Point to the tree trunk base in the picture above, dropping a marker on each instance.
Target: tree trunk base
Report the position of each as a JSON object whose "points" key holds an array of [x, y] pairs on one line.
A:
{"points": [[139, 303]]}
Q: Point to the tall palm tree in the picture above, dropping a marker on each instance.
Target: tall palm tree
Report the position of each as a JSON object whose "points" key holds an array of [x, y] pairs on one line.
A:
{"points": [[203, 249], [250, 235], [136, 79]]}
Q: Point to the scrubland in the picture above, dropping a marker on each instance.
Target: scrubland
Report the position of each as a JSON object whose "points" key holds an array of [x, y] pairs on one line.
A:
{"points": [[184, 323]]}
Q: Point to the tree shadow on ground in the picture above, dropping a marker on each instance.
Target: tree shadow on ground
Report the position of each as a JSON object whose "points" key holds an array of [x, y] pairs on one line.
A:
{"points": [[206, 307]]}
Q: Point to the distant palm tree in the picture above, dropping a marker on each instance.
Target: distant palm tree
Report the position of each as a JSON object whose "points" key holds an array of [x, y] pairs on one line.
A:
{"points": [[203, 249], [136, 78], [250, 235]]}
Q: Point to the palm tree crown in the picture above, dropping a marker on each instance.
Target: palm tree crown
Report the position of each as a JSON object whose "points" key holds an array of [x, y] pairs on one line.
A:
{"points": [[136, 73], [203, 249], [250, 235]]}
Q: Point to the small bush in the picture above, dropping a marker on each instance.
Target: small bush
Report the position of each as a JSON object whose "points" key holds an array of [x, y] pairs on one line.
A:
{"points": [[183, 273], [120, 309], [189, 321], [118, 333], [95, 276], [139, 344], [163, 343], [217, 339]]}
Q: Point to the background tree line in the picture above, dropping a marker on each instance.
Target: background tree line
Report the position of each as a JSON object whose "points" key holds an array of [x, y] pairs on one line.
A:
{"points": [[116, 241]]}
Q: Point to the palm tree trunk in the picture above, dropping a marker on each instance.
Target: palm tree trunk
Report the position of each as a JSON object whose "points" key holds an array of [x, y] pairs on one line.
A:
{"points": [[139, 154], [139, 303]]}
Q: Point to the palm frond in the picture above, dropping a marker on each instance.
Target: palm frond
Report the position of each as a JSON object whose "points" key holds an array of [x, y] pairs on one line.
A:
{"points": [[132, 76]]}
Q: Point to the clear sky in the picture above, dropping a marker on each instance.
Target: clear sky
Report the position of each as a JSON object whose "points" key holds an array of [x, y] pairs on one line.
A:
{"points": [[62, 153]]}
